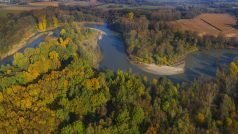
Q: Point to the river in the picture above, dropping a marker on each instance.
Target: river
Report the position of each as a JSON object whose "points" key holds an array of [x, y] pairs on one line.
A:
{"points": [[203, 63], [31, 44], [198, 64]]}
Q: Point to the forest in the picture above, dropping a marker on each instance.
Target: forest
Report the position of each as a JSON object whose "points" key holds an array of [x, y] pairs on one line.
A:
{"points": [[151, 38], [15, 28], [8, 27], [55, 87]]}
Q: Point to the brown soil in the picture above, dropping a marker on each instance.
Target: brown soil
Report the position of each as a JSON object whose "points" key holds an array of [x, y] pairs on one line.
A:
{"points": [[209, 24]]}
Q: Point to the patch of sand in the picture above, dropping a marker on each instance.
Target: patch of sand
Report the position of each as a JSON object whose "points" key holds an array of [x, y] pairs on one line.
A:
{"points": [[100, 31], [161, 69]]}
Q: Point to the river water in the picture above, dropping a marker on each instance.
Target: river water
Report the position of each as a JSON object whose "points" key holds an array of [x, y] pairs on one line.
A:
{"points": [[203, 63], [31, 44]]}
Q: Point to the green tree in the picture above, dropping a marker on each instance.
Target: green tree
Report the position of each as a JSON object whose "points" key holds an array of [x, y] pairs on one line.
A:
{"points": [[20, 61], [76, 127]]}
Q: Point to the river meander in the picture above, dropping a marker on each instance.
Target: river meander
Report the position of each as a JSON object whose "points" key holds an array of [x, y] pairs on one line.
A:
{"points": [[203, 63]]}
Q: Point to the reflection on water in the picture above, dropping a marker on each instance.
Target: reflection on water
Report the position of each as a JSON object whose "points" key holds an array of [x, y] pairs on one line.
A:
{"points": [[31, 44], [204, 63]]}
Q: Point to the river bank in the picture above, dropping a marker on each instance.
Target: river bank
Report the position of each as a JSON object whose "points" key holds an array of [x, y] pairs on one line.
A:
{"points": [[100, 31], [91, 22], [113, 48], [163, 70], [21, 44], [28, 40], [89, 46]]}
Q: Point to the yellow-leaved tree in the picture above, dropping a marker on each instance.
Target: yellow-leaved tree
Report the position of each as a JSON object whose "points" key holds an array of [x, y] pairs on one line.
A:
{"points": [[200, 118], [65, 42], [233, 69], [130, 15], [55, 62], [55, 22], [42, 23]]}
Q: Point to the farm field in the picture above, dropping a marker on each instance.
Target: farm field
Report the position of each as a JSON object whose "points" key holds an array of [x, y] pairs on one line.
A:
{"points": [[20, 8], [56, 4], [16, 9], [82, 3], [39, 5], [125, 6], [44, 4], [209, 24]]}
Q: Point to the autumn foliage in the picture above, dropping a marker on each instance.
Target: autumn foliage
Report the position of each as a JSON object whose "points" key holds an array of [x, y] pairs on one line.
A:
{"points": [[54, 89]]}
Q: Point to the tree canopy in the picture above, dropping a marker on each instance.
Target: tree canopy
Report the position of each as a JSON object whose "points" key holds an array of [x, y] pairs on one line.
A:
{"points": [[54, 89]]}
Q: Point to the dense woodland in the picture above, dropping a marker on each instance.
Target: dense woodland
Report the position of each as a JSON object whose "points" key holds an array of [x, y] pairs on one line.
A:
{"points": [[55, 87], [12, 29], [15, 28], [153, 39]]}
